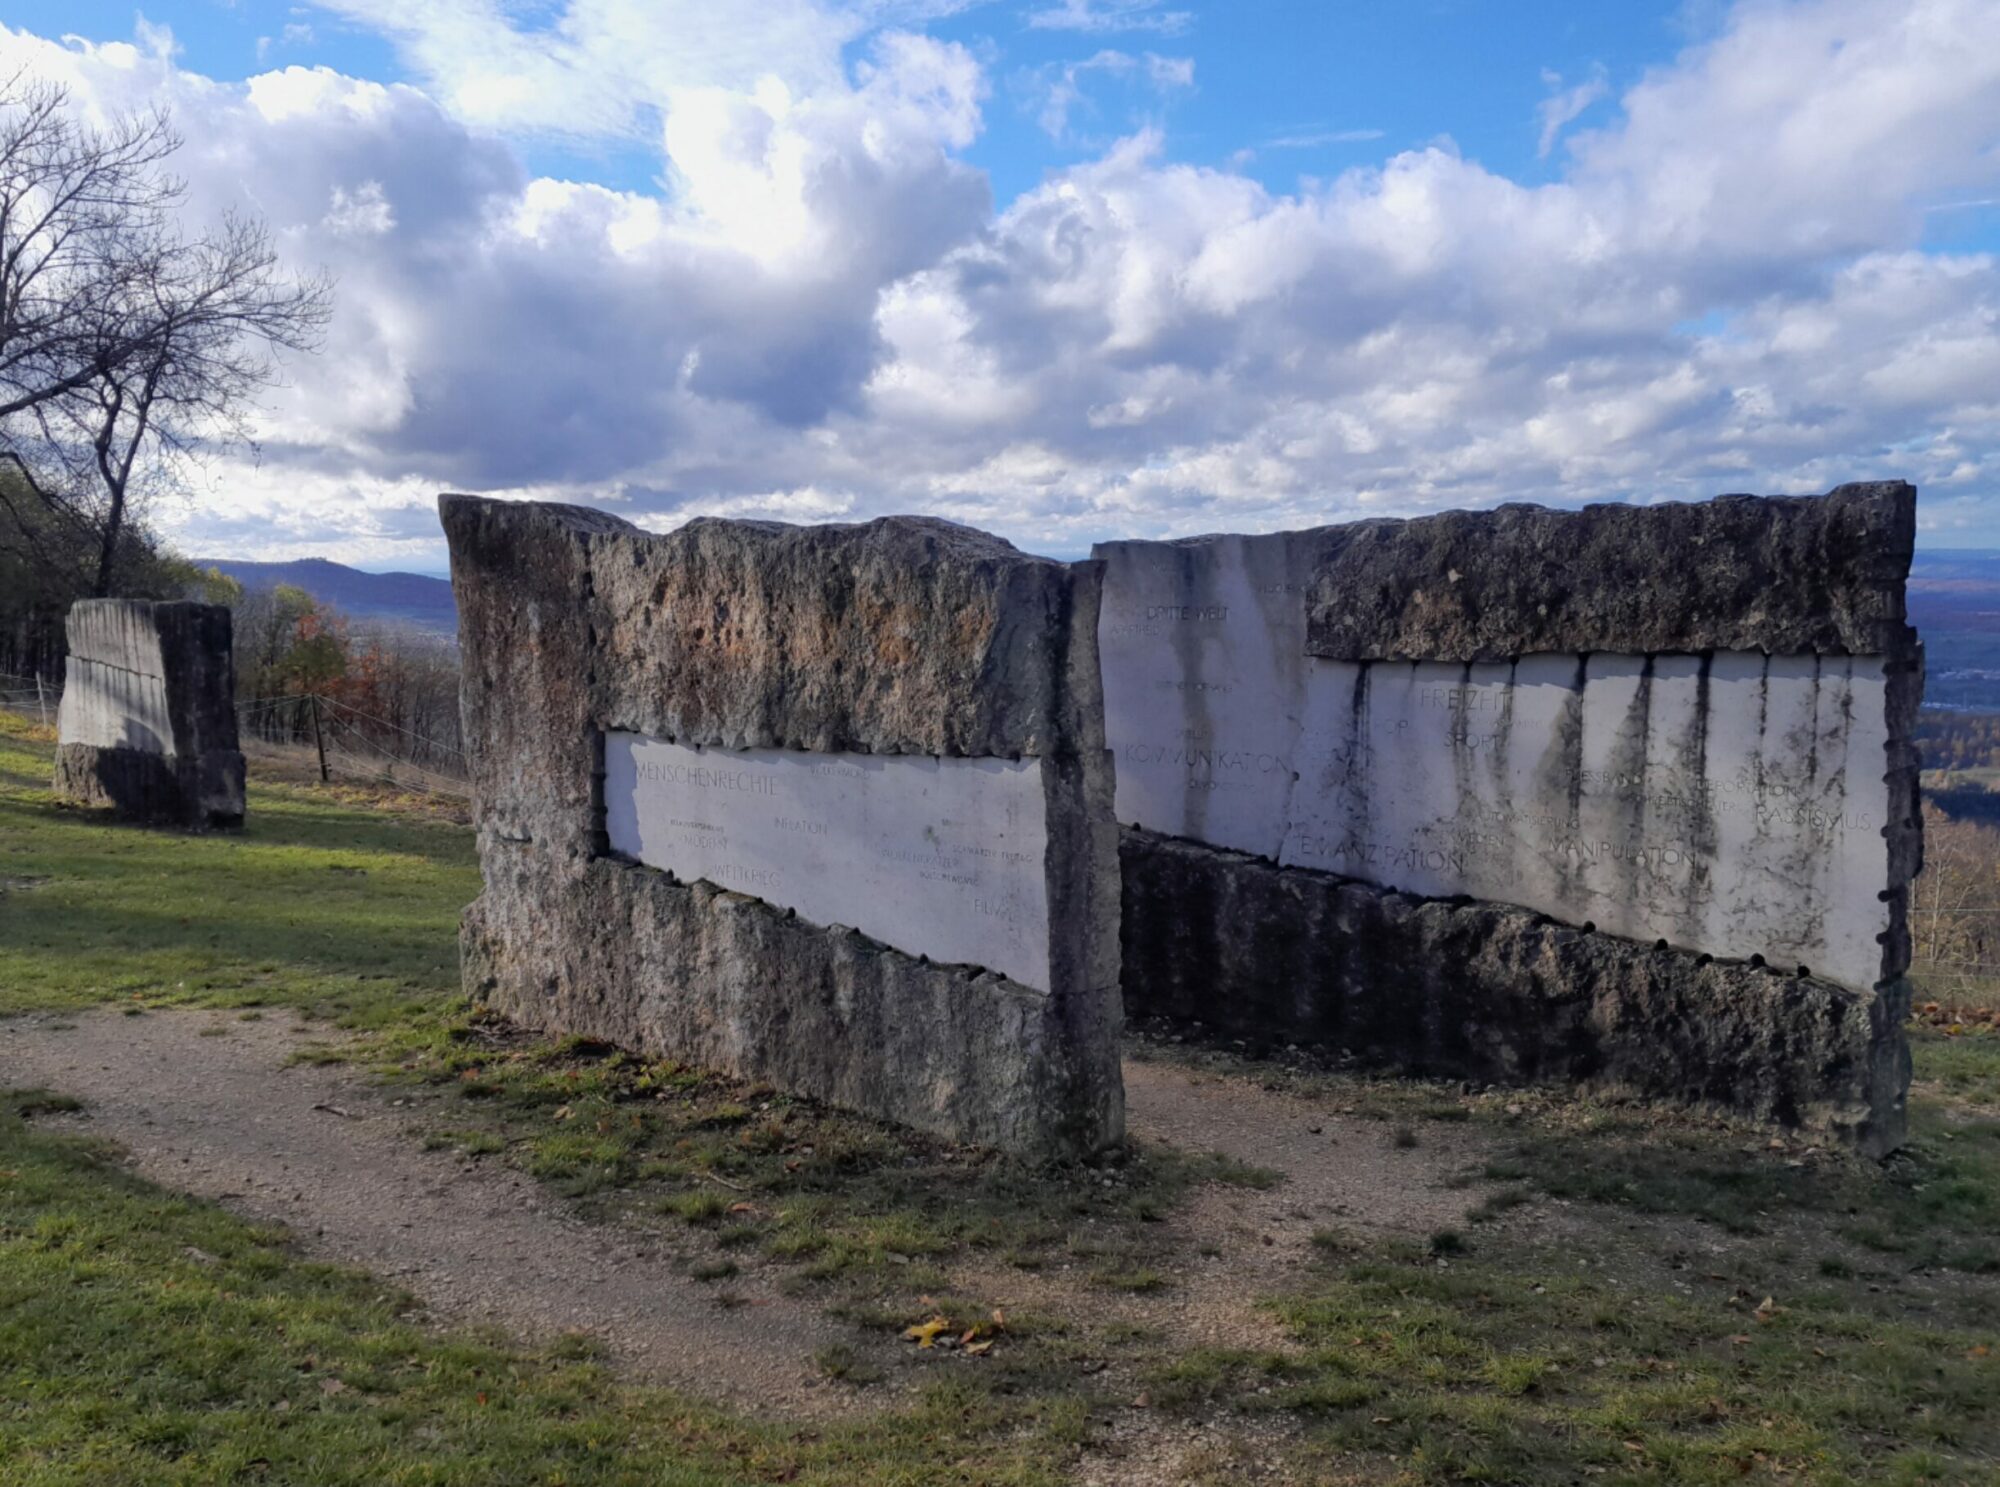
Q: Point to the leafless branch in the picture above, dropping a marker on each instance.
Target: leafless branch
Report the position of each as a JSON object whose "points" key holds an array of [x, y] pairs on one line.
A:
{"points": [[128, 347]]}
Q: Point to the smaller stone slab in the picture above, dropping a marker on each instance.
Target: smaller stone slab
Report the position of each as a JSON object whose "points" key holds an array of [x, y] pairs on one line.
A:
{"points": [[148, 719], [1785, 575], [1203, 648]]}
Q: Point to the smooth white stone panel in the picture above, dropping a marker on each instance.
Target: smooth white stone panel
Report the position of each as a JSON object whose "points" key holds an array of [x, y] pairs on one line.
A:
{"points": [[109, 707], [1202, 648], [114, 682], [937, 857], [1734, 807]]}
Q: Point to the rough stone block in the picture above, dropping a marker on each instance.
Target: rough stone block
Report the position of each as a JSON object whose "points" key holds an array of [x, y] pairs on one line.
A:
{"points": [[148, 719], [1784, 575], [824, 806], [1460, 989]]}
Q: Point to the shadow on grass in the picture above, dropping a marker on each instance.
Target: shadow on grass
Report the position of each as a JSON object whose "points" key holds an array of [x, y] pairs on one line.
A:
{"points": [[319, 906]]}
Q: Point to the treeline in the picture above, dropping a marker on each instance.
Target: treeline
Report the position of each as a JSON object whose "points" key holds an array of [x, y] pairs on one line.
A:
{"points": [[1955, 910], [1959, 740], [375, 696], [47, 564], [384, 695]]}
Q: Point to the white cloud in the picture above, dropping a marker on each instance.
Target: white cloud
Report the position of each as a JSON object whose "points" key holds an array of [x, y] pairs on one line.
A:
{"points": [[1313, 139], [364, 210], [609, 67], [1062, 91], [1110, 15], [824, 315], [1564, 106]]}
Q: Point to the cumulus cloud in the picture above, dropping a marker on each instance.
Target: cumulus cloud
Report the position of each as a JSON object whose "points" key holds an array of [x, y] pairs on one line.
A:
{"points": [[610, 67], [823, 314]]}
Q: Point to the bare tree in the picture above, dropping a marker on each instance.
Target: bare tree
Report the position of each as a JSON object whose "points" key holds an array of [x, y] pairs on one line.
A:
{"points": [[76, 206], [128, 347]]}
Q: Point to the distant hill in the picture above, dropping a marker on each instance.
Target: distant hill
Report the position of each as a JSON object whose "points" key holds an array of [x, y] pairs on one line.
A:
{"points": [[406, 598], [1957, 590], [1955, 605]]}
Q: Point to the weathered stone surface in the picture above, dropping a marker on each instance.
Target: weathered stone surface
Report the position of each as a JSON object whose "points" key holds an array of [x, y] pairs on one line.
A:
{"points": [[148, 720], [944, 858], [1488, 718], [1202, 644], [1786, 575], [1254, 951], [1733, 804], [901, 636]]}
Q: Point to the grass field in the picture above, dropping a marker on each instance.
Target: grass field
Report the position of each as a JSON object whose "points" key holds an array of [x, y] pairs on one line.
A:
{"points": [[1641, 1298]]}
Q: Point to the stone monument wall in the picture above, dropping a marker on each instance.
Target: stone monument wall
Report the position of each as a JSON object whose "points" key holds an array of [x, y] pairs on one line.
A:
{"points": [[148, 719], [1626, 794], [824, 806]]}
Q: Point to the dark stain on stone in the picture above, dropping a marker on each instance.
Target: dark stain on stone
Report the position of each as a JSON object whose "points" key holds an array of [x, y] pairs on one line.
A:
{"points": [[1355, 769], [1559, 776], [1186, 640], [1628, 783], [1700, 843]]}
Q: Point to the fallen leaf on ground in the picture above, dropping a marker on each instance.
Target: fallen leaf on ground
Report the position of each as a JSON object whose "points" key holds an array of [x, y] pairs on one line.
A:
{"points": [[924, 1334]]}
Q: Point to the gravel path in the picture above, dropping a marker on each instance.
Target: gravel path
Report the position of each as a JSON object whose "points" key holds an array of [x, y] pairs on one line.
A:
{"points": [[323, 1151], [206, 1103]]}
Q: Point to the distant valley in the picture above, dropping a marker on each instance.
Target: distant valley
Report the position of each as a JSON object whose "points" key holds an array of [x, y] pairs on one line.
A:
{"points": [[412, 599], [1955, 605]]}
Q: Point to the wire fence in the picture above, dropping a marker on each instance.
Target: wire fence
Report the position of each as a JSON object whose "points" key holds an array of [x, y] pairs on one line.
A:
{"points": [[355, 744]]}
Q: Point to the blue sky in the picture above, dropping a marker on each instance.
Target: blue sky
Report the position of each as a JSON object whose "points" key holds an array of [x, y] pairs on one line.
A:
{"points": [[1071, 269], [1308, 87]]}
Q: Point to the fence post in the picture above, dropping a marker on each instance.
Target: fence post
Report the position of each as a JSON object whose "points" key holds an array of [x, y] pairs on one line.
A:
{"points": [[319, 742], [41, 702]]}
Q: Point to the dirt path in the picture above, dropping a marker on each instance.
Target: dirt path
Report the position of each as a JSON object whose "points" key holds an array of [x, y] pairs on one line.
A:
{"points": [[1241, 1244], [207, 1104], [319, 1149], [1341, 1171]]}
